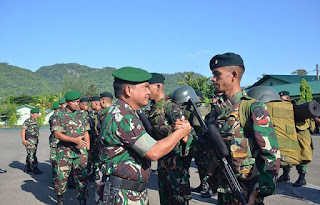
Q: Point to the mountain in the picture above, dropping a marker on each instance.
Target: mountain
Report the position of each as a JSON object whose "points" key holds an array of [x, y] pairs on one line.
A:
{"points": [[52, 79]]}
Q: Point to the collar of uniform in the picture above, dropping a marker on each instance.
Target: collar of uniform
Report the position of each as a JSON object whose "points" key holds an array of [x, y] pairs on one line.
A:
{"points": [[33, 120], [235, 98], [68, 110], [160, 102], [123, 105]]}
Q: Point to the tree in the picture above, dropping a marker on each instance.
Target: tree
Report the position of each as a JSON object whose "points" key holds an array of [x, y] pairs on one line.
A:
{"points": [[299, 72], [9, 110], [92, 90], [202, 84], [305, 92]]}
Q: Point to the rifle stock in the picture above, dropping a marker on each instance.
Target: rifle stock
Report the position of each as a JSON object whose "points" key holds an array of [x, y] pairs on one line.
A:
{"points": [[221, 151]]}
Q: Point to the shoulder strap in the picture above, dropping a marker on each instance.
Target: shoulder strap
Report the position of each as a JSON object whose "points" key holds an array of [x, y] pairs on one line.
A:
{"points": [[244, 110]]}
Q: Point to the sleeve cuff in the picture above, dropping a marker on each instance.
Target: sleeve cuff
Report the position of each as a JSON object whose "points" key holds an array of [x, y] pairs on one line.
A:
{"points": [[57, 128], [144, 144]]}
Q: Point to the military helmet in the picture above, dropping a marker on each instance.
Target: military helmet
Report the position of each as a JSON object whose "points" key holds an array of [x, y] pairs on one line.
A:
{"points": [[263, 94], [183, 93]]}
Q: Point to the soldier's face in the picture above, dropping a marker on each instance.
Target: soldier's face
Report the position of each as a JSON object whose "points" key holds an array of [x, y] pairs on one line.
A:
{"points": [[63, 105], [73, 105], [154, 90], [285, 97], [140, 94], [35, 115], [95, 105], [84, 106], [222, 79]]}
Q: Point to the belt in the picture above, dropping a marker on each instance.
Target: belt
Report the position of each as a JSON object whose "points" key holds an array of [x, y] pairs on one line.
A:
{"points": [[120, 183]]}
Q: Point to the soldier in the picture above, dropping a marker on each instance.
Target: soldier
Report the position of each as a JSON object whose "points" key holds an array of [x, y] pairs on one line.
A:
{"points": [[106, 100], [62, 102], [199, 150], [84, 104], [127, 147], [53, 141], [173, 175], [254, 150], [94, 161], [71, 127], [30, 139], [302, 167]]}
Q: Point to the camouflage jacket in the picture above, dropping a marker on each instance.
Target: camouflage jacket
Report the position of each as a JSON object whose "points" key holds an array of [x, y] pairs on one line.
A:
{"points": [[52, 140], [72, 124], [103, 114], [32, 128], [162, 116], [124, 143], [256, 147]]}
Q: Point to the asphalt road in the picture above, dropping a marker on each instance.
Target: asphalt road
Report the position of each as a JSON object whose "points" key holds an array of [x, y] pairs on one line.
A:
{"points": [[17, 187]]}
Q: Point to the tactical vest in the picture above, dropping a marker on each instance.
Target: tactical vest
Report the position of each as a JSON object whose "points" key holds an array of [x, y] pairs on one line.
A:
{"points": [[287, 130], [238, 141]]}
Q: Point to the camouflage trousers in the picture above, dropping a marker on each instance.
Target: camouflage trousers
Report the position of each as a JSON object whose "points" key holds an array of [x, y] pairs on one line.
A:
{"points": [[173, 181], [68, 159], [123, 196], [31, 159], [225, 196], [53, 154]]}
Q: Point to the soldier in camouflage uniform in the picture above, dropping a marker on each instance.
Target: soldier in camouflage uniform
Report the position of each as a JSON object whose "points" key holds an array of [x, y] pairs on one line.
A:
{"points": [[30, 139], [126, 146], [62, 102], [53, 141], [94, 161], [173, 174], [255, 155], [71, 127]]}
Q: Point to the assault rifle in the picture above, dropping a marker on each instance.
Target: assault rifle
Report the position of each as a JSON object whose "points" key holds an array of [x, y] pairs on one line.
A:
{"points": [[221, 151]]}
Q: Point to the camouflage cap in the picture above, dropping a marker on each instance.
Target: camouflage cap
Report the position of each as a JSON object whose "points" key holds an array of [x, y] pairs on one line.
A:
{"points": [[95, 98], [226, 59], [157, 78], [282, 93], [72, 95], [35, 110], [106, 95], [62, 100], [55, 105], [132, 74]]}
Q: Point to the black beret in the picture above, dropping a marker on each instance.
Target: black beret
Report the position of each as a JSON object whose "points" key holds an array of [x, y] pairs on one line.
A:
{"points": [[282, 93], [106, 95], [84, 100], [157, 78], [95, 98], [226, 59]]}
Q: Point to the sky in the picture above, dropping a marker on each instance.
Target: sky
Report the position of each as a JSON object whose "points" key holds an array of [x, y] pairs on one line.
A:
{"points": [[168, 36]]}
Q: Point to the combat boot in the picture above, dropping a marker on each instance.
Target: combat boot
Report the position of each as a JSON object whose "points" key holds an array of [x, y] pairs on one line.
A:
{"points": [[36, 170], [60, 200], [197, 189], [27, 168], [82, 201], [301, 180], [285, 176]]}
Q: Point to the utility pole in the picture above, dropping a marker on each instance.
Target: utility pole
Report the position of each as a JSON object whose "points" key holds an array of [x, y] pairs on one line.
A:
{"points": [[317, 69]]}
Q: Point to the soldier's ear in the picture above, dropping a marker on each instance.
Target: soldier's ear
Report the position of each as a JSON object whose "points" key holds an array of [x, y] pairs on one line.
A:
{"points": [[128, 91]]}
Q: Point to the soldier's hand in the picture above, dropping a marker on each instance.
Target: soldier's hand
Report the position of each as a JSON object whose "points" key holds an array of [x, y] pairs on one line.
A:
{"points": [[179, 123], [24, 142], [80, 142]]}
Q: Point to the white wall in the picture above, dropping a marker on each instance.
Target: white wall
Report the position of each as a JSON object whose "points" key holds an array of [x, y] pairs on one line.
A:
{"points": [[24, 114]]}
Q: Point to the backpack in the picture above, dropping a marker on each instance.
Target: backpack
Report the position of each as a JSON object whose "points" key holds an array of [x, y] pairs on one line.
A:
{"points": [[282, 118]]}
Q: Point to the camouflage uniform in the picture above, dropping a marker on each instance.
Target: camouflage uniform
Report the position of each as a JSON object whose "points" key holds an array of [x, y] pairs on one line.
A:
{"points": [[255, 146], [32, 137], [94, 121], [124, 144], [173, 170], [53, 142], [72, 124]]}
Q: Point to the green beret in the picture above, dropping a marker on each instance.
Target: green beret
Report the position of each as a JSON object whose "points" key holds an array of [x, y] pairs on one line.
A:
{"points": [[95, 98], [84, 100], [282, 93], [55, 105], [226, 59], [106, 95], [35, 110], [157, 78], [72, 95], [62, 100], [131, 74]]}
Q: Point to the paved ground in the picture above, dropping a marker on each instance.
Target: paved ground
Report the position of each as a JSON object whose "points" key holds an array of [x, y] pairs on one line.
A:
{"points": [[17, 187]]}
